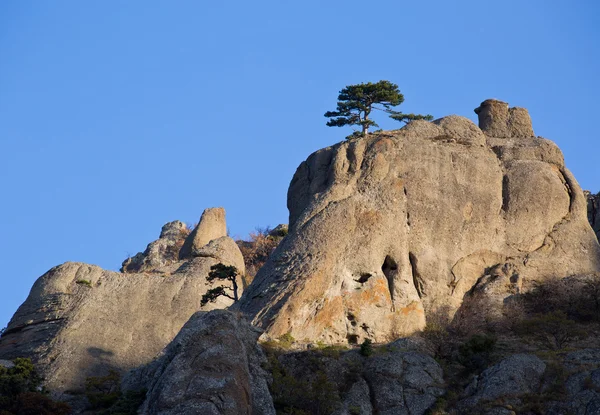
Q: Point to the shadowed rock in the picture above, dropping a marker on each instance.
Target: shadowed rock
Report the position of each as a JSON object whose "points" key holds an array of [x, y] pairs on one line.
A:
{"points": [[594, 211], [213, 366]]}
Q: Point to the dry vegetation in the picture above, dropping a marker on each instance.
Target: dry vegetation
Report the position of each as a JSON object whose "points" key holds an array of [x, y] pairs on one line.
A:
{"points": [[549, 320], [256, 250]]}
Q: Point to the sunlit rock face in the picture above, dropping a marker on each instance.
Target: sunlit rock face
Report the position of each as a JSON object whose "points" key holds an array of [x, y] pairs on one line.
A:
{"points": [[80, 320], [389, 228]]}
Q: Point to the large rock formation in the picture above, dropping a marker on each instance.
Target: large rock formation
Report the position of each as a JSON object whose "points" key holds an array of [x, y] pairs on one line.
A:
{"points": [[388, 228], [80, 320], [213, 366]]}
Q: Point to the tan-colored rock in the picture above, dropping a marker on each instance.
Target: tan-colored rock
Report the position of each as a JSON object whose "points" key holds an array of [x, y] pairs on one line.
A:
{"points": [[164, 251], [80, 320], [497, 120], [519, 123], [212, 226], [387, 229]]}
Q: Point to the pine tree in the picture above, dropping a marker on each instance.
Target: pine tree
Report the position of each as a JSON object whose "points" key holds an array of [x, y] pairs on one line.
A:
{"points": [[224, 273], [355, 103]]}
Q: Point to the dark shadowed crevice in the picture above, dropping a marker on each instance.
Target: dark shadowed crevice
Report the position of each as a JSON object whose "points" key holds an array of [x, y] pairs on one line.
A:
{"points": [[364, 277], [417, 280], [390, 268], [505, 194]]}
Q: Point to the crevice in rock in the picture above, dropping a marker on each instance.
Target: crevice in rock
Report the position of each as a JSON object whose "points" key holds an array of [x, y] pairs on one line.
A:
{"points": [[364, 277], [32, 324], [371, 394], [352, 338], [505, 193], [390, 268], [417, 279], [352, 319]]}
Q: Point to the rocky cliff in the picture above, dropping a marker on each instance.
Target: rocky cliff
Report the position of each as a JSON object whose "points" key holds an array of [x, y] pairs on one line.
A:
{"points": [[80, 320], [390, 228]]}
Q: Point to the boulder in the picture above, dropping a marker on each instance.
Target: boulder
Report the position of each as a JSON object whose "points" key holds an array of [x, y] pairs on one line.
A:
{"points": [[213, 366], [164, 251], [80, 320], [211, 226], [391, 381], [514, 376], [404, 382], [386, 229], [496, 119]]}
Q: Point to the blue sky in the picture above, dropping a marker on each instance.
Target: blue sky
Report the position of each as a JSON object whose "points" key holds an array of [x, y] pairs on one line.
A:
{"points": [[117, 117]]}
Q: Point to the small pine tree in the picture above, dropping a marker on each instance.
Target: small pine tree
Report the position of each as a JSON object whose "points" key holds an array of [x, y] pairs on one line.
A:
{"points": [[224, 273], [366, 348], [355, 103]]}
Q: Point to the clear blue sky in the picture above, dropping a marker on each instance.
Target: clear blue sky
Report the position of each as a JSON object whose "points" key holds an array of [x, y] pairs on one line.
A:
{"points": [[116, 117]]}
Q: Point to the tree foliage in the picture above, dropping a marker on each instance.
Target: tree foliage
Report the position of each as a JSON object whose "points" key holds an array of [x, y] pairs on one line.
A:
{"points": [[355, 103], [21, 392], [223, 273]]}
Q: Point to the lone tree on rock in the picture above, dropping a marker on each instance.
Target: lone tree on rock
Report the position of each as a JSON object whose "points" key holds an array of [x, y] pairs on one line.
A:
{"points": [[224, 273], [355, 103]]}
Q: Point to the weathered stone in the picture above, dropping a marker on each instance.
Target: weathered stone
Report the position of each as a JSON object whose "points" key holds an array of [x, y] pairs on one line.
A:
{"points": [[582, 386], [519, 123], [391, 227], [164, 251], [80, 320], [213, 366], [404, 383], [7, 364], [212, 226], [516, 375], [497, 120], [493, 118], [392, 381]]}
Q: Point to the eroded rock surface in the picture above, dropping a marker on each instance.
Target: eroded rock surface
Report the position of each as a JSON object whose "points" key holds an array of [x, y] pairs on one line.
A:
{"points": [[163, 251], [388, 228], [513, 377], [213, 366], [80, 320], [395, 380], [211, 226]]}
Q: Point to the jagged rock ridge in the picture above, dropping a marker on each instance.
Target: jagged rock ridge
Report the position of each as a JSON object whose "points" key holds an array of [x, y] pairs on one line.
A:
{"points": [[80, 320], [390, 227]]}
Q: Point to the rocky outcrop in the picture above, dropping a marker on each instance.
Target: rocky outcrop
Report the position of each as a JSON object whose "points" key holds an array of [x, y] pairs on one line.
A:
{"points": [[213, 366], [496, 119], [513, 377], [398, 379], [164, 251], [80, 320], [388, 228], [211, 226], [594, 211]]}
